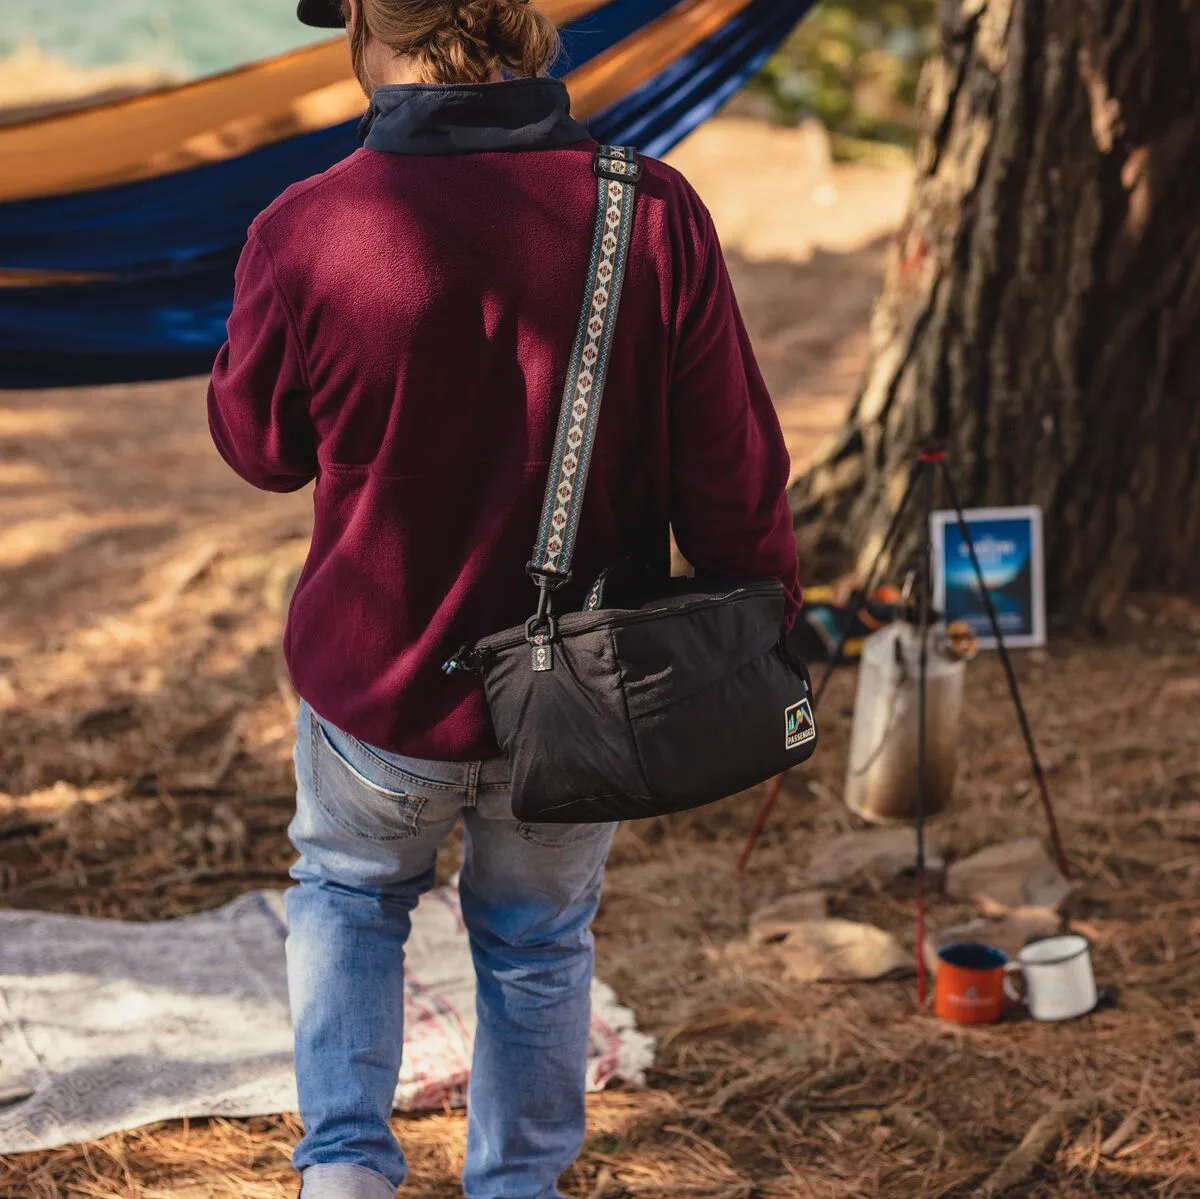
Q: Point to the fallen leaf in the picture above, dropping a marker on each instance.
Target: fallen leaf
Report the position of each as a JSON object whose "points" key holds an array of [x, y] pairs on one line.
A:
{"points": [[840, 951]]}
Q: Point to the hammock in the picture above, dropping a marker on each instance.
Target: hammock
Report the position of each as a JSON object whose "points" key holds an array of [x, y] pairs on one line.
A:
{"points": [[120, 224]]}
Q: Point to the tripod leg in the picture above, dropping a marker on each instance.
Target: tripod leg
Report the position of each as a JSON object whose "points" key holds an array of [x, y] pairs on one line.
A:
{"points": [[1039, 775], [926, 569], [776, 785], [888, 538]]}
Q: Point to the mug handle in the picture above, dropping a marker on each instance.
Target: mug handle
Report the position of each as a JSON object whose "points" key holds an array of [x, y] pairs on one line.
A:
{"points": [[1014, 984]]}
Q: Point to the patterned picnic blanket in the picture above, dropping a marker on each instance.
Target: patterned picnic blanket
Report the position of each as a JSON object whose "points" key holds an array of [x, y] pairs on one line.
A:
{"points": [[107, 1025]]}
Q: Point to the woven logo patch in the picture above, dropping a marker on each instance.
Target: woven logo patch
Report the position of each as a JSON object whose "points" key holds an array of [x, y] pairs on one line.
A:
{"points": [[801, 727]]}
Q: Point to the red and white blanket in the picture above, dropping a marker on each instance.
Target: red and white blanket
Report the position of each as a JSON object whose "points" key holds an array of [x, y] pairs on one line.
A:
{"points": [[107, 1025]]}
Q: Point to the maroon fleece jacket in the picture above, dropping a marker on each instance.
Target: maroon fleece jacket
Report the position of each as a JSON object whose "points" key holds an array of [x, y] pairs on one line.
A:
{"points": [[400, 334]]}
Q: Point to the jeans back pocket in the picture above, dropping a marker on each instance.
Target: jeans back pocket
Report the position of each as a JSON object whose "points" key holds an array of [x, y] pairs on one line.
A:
{"points": [[360, 792]]}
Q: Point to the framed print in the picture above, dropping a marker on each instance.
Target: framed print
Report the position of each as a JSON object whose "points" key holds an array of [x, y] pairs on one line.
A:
{"points": [[1008, 543]]}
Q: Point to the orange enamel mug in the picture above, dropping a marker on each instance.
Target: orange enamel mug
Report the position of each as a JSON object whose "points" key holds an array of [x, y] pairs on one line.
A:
{"points": [[970, 984]]}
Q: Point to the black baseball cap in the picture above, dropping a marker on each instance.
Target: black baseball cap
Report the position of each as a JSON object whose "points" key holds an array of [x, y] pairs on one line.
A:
{"points": [[321, 14]]}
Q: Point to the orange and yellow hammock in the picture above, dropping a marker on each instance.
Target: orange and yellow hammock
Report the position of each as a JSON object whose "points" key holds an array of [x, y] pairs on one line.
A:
{"points": [[120, 224]]}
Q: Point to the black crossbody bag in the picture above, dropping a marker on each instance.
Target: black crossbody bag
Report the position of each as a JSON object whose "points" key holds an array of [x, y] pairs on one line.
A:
{"points": [[621, 713]]}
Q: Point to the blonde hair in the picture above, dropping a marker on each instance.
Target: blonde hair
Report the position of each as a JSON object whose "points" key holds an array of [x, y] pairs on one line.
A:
{"points": [[458, 41]]}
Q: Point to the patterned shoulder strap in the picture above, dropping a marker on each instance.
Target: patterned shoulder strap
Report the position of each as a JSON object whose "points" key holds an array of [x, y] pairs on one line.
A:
{"points": [[618, 171]]}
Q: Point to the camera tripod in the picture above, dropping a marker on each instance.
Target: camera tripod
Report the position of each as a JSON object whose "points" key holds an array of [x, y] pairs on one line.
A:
{"points": [[931, 460]]}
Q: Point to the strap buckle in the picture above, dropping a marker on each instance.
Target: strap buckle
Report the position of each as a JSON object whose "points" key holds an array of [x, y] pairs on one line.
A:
{"points": [[620, 170], [541, 629], [547, 584], [547, 580]]}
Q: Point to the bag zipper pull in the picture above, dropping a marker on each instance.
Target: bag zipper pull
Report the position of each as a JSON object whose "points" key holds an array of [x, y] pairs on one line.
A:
{"points": [[541, 653], [464, 660], [541, 632]]}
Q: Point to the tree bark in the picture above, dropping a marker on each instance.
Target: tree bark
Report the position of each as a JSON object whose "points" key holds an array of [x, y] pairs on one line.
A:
{"points": [[1041, 309]]}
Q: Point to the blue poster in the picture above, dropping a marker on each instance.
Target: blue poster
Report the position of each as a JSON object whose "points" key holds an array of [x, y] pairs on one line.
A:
{"points": [[1008, 544]]}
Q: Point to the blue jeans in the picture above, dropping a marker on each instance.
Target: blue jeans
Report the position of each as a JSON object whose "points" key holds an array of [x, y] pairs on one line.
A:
{"points": [[368, 826]]}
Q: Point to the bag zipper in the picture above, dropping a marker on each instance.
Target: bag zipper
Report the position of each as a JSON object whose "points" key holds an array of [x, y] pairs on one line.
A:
{"points": [[637, 616]]}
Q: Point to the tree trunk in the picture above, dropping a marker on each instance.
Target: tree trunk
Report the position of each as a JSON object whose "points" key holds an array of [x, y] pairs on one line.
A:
{"points": [[1041, 310]]}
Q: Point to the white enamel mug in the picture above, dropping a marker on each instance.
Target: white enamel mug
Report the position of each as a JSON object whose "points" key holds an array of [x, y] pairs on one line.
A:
{"points": [[1056, 980]]}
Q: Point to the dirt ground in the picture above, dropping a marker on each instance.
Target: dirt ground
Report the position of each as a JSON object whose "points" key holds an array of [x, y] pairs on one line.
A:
{"points": [[144, 773]]}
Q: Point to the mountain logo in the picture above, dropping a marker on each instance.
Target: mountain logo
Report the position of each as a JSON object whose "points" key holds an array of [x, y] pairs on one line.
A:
{"points": [[800, 726]]}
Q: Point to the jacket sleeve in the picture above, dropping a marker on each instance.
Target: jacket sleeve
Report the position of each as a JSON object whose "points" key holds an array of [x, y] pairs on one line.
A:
{"points": [[258, 400], [730, 465]]}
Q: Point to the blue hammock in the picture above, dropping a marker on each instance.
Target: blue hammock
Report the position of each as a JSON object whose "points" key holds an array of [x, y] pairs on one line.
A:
{"points": [[162, 249]]}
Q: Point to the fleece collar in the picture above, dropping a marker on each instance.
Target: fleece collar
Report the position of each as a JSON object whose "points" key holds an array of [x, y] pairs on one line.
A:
{"points": [[517, 114]]}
